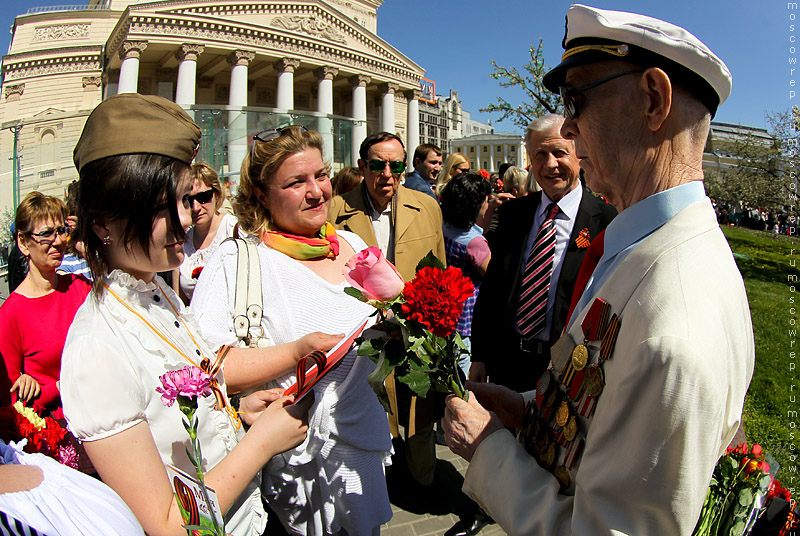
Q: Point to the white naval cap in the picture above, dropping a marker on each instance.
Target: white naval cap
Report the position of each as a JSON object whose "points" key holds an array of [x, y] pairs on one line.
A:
{"points": [[594, 35]]}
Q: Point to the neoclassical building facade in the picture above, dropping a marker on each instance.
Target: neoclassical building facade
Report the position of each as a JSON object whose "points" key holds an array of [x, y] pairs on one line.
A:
{"points": [[238, 66]]}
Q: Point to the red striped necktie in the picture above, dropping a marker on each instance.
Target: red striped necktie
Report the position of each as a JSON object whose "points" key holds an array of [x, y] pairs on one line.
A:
{"points": [[535, 286], [590, 260]]}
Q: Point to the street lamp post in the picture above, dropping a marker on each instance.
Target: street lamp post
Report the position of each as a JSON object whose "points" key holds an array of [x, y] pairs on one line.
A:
{"points": [[15, 163]]}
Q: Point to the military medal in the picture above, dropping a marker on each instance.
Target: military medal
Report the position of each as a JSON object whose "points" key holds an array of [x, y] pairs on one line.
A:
{"points": [[594, 381], [571, 428], [562, 475], [580, 356], [548, 457], [544, 383], [610, 338], [573, 451], [562, 413]]}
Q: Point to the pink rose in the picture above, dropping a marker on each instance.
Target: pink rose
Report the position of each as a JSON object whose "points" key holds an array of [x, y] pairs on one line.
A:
{"points": [[377, 278]]}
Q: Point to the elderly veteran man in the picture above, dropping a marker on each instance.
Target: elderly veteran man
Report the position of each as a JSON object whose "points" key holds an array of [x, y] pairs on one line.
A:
{"points": [[646, 387], [405, 224], [528, 286]]}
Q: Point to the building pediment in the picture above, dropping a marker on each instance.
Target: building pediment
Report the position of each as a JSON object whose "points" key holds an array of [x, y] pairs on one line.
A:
{"points": [[313, 31], [49, 111]]}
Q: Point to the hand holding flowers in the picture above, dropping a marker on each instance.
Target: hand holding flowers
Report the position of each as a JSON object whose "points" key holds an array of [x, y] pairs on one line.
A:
{"points": [[425, 309]]}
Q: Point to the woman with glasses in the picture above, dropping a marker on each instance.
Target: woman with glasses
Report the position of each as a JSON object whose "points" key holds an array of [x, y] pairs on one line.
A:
{"points": [[35, 318], [334, 483], [133, 158], [209, 227], [456, 163]]}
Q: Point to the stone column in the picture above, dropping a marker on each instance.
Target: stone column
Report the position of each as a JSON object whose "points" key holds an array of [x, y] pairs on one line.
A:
{"points": [[129, 53], [185, 92], [359, 113], [286, 68], [237, 119], [325, 76], [412, 139], [387, 107]]}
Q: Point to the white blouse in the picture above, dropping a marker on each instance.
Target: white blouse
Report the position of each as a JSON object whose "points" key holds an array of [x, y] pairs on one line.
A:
{"points": [[66, 502], [197, 258], [110, 370]]}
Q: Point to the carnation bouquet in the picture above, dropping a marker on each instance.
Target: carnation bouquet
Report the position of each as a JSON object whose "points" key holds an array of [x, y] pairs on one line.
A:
{"points": [[416, 335], [737, 494], [42, 434]]}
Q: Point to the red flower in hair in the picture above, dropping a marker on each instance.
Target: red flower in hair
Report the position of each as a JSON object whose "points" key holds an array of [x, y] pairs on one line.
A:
{"points": [[435, 298]]}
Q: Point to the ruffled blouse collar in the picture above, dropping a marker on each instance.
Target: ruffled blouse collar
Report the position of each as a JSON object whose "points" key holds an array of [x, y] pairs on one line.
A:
{"points": [[125, 280]]}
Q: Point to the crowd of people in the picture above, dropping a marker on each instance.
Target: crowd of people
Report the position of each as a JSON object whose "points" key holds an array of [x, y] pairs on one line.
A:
{"points": [[609, 339]]}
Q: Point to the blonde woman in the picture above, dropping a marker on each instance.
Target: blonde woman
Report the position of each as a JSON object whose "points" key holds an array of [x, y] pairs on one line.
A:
{"points": [[515, 181], [456, 163]]}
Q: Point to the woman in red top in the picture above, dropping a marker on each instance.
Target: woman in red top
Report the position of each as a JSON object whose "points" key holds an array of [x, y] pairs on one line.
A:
{"points": [[35, 318]]}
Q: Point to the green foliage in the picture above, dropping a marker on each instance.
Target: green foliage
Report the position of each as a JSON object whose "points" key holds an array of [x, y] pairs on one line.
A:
{"points": [[539, 101], [764, 263], [430, 261]]}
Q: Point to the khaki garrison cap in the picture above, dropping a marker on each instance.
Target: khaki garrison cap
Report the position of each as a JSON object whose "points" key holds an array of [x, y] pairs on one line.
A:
{"points": [[130, 123], [594, 35]]}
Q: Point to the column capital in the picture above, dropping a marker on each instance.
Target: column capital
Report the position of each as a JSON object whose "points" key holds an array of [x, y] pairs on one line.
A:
{"points": [[95, 81], [360, 80], [286, 65], [189, 51], [388, 88], [131, 49], [412, 94], [326, 73], [14, 92], [241, 57]]}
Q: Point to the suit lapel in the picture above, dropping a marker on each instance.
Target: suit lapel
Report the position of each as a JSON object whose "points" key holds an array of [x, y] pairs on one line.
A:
{"points": [[517, 247], [355, 216], [407, 210]]}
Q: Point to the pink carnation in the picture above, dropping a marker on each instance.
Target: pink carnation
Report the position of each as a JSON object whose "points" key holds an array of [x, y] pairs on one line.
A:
{"points": [[188, 382]]}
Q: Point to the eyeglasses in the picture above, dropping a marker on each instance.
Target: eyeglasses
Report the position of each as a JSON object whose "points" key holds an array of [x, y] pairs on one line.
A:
{"points": [[396, 167], [266, 136], [574, 97], [202, 197], [462, 169], [48, 236]]}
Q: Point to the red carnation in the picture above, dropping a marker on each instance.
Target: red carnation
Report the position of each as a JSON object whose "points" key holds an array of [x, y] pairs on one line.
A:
{"points": [[196, 272], [435, 298]]}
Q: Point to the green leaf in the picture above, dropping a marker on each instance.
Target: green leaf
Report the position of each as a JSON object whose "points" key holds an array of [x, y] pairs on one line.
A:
{"points": [[417, 381], [745, 497], [354, 292], [737, 529], [376, 379], [371, 347], [430, 261]]}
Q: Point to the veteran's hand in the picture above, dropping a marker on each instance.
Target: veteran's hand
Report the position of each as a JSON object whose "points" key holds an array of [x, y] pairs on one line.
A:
{"points": [[467, 424], [477, 372], [315, 341], [27, 388], [508, 405], [254, 404]]}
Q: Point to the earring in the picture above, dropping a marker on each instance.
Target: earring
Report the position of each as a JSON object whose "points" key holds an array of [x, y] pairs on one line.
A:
{"points": [[106, 240]]}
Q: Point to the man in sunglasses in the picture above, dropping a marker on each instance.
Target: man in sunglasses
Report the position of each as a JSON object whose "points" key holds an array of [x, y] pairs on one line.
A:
{"points": [[405, 224], [646, 386]]}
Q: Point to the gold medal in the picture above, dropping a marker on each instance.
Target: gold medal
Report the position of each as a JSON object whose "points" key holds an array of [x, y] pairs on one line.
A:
{"points": [[580, 356], [548, 457], [542, 441], [562, 475], [562, 413], [571, 428], [594, 381]]}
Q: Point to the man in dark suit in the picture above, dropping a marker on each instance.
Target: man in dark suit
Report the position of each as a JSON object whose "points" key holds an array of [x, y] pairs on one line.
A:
{"points": [[499, 347]]}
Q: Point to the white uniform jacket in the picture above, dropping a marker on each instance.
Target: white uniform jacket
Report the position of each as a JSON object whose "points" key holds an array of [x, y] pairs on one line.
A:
{"points": [[675, 386]]}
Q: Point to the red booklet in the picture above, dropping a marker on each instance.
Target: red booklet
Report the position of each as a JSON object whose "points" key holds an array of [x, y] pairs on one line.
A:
{"points": [[309, 367]]}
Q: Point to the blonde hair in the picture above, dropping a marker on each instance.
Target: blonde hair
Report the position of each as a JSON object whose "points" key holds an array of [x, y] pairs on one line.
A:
{"points": [[515, 177], [446, 173], [207, 175], [37, 207], [260, 165]]}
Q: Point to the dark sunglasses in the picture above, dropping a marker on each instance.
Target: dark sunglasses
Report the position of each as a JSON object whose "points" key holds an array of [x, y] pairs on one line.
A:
{"points": [[266, 136], [574, 97], [48, 236], [202, 197], [396, 167]]}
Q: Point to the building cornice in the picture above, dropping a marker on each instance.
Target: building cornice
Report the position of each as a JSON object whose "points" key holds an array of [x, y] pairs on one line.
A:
{"points": [[227, 35], [63, 60]]}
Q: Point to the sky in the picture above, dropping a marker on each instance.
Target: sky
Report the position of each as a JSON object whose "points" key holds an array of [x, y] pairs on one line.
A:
{"points": [[455, 41]]}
